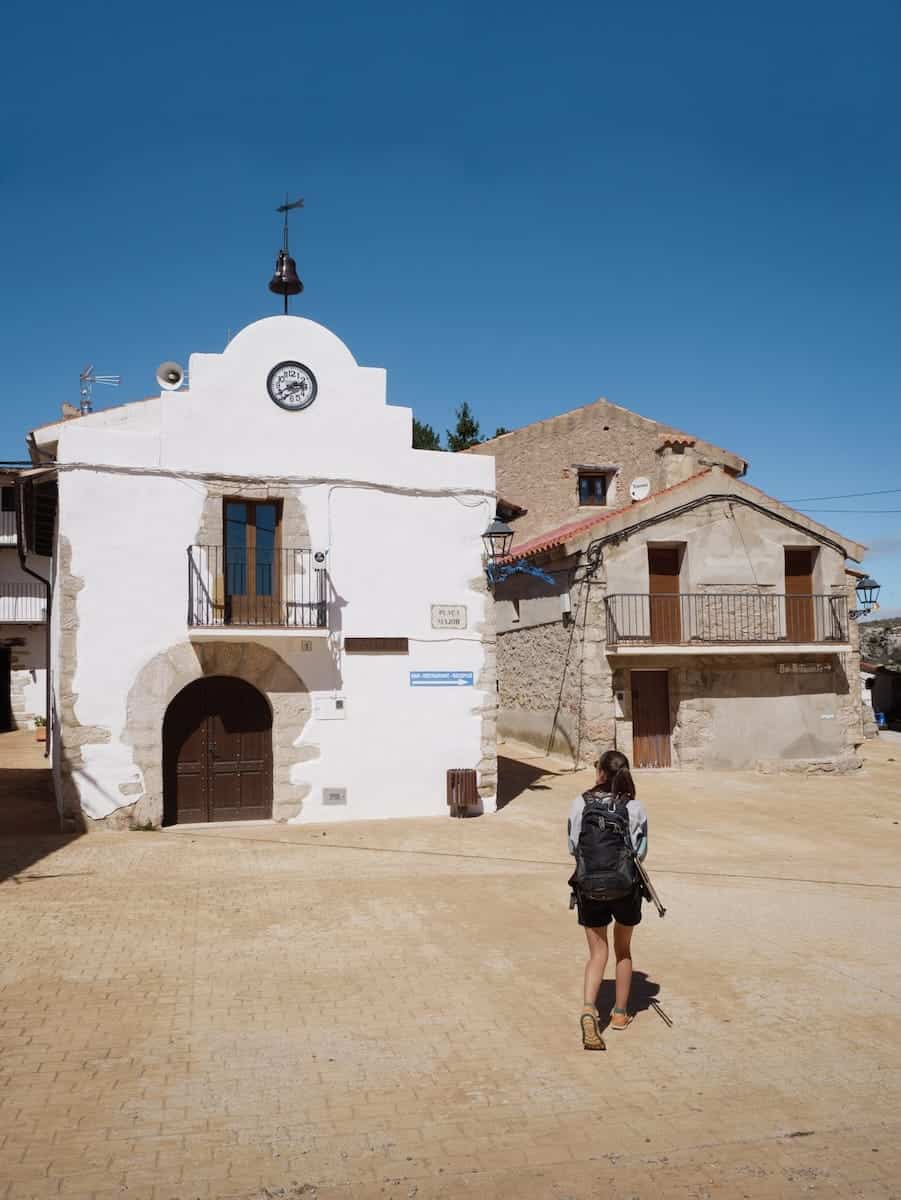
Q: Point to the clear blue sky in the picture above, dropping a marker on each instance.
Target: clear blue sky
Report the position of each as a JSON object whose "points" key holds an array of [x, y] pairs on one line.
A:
{"points": [[689, 209]]}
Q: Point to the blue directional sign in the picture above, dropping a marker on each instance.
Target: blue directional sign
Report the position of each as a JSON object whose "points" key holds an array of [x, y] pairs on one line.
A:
{"points": [[441, 679]]}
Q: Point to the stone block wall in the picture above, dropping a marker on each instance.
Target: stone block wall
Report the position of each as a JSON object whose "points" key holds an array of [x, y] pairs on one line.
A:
{"points": [[740, 711], [537, 466], [555, 682]]}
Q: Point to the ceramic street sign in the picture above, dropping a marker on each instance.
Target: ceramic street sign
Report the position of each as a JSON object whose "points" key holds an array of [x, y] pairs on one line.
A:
{"points": [[448, 616]]}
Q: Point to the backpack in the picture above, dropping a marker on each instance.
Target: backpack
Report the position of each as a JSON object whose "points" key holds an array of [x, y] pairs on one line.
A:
{"points": [[605, 866]]}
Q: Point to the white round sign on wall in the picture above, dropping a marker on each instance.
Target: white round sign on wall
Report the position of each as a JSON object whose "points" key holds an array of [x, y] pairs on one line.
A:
{"points": [[640, 488]]}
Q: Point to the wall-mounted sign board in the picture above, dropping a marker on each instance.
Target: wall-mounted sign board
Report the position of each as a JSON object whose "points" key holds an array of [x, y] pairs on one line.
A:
{"points": [[449, 616], [803, 668], [334, 795], [441, 679], [376, 645]]}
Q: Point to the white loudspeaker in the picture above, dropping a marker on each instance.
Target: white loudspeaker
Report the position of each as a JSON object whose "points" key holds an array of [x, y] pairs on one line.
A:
{"points": [[170, 376]]}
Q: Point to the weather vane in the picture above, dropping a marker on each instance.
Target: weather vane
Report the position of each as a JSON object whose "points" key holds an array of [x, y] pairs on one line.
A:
{"points": [[285, 282]]}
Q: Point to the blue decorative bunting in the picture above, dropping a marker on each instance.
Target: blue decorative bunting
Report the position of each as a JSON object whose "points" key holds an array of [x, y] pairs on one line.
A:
{"points": [[520, 567]]}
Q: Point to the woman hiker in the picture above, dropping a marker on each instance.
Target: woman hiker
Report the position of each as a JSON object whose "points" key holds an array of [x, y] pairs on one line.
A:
{"points": [[614, 790]]}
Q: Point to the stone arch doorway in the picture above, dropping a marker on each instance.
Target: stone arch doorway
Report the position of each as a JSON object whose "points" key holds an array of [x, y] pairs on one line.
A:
{"points": [[217, 753]]}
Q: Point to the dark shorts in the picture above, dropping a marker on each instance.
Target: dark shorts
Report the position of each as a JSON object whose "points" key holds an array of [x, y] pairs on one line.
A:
{"points": [[598, 913]]}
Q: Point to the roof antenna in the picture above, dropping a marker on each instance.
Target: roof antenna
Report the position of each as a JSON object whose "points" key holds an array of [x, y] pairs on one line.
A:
{"points": [[86, 381], [285, 281]]}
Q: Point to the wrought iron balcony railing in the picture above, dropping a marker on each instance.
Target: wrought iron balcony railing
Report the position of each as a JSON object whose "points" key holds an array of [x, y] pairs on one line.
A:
{"points": [[23, 602], [255, 586], [714, 618]]}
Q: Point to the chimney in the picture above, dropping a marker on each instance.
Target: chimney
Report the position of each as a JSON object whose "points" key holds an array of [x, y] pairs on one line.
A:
{"points": [[678, 459]]}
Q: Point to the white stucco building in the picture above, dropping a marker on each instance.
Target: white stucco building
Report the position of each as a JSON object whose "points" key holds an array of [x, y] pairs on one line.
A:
{"points": [[265, 602]]}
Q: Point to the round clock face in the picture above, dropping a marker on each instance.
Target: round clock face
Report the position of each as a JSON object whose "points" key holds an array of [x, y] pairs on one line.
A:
{"points": [[292, 386]]}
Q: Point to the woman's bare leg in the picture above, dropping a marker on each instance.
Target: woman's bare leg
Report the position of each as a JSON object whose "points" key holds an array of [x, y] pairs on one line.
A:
{"points": [[622, 948], [597, 961]]}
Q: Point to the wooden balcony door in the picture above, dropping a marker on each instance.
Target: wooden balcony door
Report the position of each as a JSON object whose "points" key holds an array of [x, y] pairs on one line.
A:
{"points": [[651, 724], [663, 576], [252, 562], [799, 622]]}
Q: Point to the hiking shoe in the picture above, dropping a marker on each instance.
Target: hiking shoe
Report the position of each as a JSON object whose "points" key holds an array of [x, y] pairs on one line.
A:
{"points": [[591, 1035], [620, 1019]]}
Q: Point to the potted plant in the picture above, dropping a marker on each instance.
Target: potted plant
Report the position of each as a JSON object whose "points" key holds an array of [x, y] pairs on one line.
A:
{"points": [[40, 726]]}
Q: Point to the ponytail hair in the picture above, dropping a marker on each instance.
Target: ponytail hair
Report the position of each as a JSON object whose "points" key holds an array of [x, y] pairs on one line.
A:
{"points": [[615, 766]]}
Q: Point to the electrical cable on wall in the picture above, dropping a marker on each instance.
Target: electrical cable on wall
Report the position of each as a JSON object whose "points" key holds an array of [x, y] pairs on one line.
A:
{"points": [[481, 494]]}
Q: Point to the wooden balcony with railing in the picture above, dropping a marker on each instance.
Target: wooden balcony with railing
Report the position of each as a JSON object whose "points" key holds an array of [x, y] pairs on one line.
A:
{"points": [[23, 603], [261, 588], [721, 619], [7, 529]]}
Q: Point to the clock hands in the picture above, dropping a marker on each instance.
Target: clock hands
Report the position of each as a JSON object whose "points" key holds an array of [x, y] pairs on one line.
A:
{"points": [[292, 385]]}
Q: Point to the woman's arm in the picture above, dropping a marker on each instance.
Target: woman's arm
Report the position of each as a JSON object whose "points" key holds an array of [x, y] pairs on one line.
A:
{"points": [[638, 828], [574, 825]]}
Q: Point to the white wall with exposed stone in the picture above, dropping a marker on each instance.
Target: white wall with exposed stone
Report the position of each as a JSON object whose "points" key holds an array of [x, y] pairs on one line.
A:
{"points": [[403, 532]]}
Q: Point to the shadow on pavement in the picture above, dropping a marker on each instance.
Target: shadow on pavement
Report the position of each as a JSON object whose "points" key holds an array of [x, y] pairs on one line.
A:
{"points": [[643, 991], [29, 821], [514, 778]]}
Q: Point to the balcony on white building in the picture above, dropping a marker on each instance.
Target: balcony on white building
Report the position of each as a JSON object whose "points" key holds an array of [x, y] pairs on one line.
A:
{"points": [[267, 590], [7, 529], [23, 603]]}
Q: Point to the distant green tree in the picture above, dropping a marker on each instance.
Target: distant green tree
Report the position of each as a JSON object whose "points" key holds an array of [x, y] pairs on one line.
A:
{"points": [[501, 429], [467, 432], [425, 437]]}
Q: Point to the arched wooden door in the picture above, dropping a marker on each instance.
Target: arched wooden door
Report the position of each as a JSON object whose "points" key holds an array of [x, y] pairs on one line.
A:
{"points": [[217, 753]]}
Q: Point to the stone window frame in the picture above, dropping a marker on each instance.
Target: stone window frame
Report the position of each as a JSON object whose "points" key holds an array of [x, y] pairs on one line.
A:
{"points": [[591, 471]]}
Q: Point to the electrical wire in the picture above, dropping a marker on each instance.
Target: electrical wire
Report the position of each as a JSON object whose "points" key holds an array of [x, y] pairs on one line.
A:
{"points": [[845, 496], [480, 495]]}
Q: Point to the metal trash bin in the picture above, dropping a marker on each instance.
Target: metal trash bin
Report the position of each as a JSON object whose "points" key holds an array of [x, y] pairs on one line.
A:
{"points": [[462, 791]]}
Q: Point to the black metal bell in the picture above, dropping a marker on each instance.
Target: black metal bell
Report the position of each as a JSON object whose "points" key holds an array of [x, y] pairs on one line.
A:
{"points": [[285, 281]]}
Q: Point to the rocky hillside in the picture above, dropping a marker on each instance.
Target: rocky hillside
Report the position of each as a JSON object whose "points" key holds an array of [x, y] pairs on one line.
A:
{"points": [[880, 641]]}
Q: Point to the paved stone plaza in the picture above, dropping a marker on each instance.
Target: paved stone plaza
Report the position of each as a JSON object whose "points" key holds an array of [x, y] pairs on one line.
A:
{"points": [[391, 1008]]}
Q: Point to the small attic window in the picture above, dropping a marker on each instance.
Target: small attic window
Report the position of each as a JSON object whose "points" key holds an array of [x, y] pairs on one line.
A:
{"points": [[593, 487]]}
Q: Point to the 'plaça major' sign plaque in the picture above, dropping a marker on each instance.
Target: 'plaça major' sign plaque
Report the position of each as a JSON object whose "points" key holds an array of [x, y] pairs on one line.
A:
{"points": [[448, 616]]}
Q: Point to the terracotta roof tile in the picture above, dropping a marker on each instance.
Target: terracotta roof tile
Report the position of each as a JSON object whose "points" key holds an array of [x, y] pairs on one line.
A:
{"points": [[676, 439]]}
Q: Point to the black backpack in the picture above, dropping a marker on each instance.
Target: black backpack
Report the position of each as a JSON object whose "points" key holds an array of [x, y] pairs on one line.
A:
{"points": [[605, 867]]}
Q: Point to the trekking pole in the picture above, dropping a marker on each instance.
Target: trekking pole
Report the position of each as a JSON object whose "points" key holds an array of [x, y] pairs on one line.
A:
{"points": [[647, 887], [655, 1004]]}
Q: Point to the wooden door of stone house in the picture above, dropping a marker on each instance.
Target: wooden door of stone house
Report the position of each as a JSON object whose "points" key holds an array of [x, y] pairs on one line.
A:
{"points": [[651, 722], [664, 600], [217, 753], [252, 568], [799, 621]]}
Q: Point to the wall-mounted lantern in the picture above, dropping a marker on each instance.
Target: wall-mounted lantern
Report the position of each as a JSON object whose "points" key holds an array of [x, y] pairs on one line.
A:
{"points": [[497, 540], [867, 590]]}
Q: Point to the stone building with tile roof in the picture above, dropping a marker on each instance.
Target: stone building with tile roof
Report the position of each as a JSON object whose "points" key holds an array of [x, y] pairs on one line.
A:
{"points": [[693, 621]]}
